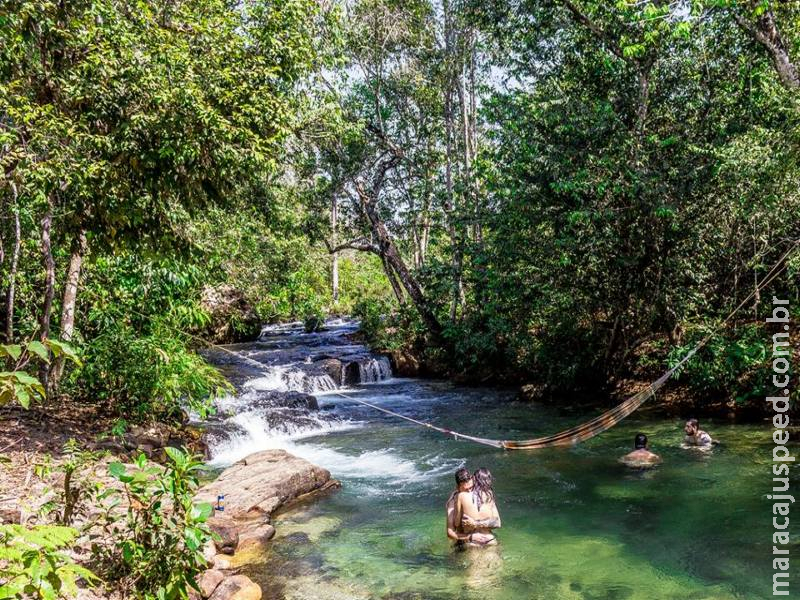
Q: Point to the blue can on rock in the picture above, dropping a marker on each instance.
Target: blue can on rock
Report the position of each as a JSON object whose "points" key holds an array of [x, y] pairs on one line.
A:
{"points": [[220, 503]]}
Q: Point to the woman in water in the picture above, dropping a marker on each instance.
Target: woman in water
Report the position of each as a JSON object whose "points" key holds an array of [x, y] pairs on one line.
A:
{"points": [[476, 510]]}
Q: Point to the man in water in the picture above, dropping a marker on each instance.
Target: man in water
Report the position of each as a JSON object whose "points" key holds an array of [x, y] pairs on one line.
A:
{"points": [[455, 531], [641, 456], [696, 436]]}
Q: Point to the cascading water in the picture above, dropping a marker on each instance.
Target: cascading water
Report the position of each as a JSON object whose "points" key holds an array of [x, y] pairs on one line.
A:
{"points": [[373, 370], [275, 378]]}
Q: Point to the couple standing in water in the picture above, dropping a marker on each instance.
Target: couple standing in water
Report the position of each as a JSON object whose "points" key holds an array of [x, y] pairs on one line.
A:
{"points": [[471, 509]]}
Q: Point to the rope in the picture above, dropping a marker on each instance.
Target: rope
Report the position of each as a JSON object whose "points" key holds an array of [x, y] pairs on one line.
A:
{"points": [[608, 419], [574, 435]]}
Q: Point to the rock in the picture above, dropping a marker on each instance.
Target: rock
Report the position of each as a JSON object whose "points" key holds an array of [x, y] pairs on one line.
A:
{"points": [[262, 482], [404, 364], [209, 551], [233, 319], [332, 367], [238, 587], [228, 532], [156, 435], [351, 374], [291, 399], [209, 581], [221, 562], [257, 537], [112, 446]]}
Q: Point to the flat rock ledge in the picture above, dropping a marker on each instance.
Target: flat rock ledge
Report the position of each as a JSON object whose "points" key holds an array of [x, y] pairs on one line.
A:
{"points": [[254, 489]]}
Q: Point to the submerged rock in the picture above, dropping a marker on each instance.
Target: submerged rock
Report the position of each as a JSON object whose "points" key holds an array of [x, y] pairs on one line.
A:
{"points": [[256, 538], [265, 481]]}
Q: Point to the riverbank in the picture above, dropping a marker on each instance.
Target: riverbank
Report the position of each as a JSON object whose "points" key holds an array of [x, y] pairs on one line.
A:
{"points": [[37, 446]]}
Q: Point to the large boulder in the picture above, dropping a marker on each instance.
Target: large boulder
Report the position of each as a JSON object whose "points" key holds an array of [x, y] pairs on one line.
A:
{"points": [[265, 481], [238, 587], [233, 319], [331, 367]]}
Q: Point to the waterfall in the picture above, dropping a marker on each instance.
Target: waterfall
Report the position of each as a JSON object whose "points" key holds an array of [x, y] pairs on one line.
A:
{"points": [[287, 379], [372, 370], [273, 406]]}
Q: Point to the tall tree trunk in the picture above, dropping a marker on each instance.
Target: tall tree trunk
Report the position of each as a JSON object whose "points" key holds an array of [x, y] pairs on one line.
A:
{"points": [[49, 284], [425, 227], [450, 205], [12, 273], [392, 277], [394, 262], [68, 305], [335, 255], [765, 31]]}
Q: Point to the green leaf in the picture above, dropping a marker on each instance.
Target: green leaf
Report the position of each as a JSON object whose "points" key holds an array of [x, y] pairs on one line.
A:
{"points": [[22, 396], [38, 348], [12, 350], [117, 470], [176, 455], [202, 511]]}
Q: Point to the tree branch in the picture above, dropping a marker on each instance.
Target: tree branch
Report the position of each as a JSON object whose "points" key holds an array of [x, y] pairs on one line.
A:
{"points": [[765, 31], [610, 43], [361, 244]]}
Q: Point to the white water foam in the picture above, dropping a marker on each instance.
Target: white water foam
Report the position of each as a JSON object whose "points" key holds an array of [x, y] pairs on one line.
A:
{"points": [[384, 465], [286, 379], [257, 435], [374, 369]]}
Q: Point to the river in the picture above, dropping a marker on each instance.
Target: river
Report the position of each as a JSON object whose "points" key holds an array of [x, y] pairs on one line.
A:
{"points": [[576, 523]]}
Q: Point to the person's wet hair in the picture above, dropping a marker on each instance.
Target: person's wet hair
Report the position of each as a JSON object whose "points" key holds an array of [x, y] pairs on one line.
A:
{"points": [[693, 422], [640, 441], [462, 475], [482, 489]]}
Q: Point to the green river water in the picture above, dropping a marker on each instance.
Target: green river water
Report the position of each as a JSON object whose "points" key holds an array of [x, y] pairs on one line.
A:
{"points": [[576, 524]]}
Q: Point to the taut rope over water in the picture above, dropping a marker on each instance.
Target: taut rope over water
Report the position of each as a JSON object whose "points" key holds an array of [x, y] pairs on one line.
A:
{"points": [[608, 419], [579, 433]]}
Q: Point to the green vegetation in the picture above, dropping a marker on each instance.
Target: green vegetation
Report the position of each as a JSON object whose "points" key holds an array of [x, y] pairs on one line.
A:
{"points": [[565, 192], [159, 550], [520, 190], [34, 562]]}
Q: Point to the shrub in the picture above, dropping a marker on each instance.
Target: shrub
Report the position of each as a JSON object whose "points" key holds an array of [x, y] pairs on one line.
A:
{"points": [[33, 562], [159, 552]]}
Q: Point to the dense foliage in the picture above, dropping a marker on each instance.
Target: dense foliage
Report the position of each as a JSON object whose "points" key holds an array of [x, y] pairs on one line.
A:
{"points": [[574, 184], [34, 562], [537, 189]]}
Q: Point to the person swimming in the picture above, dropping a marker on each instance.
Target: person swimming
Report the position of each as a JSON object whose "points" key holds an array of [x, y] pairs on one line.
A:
{"points": [[641, 455], [696, 436], [476, 510]]}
